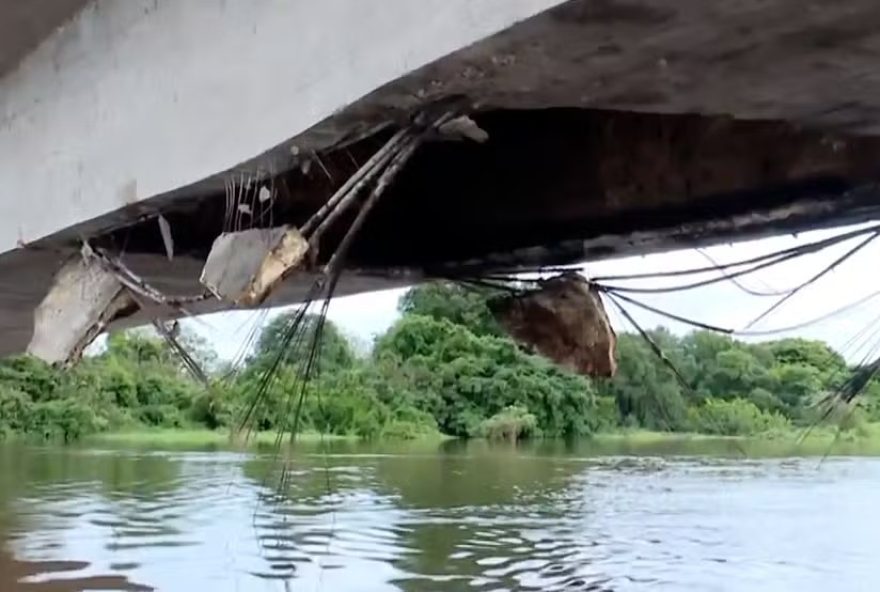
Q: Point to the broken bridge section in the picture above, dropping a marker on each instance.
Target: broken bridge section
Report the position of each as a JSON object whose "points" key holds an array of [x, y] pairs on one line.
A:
{"points": [[246, 263], [559, 185], [492, 191], [600, 128]]}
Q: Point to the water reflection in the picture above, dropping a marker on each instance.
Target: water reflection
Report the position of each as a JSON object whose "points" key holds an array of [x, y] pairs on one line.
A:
{"points": [[46, 576], [454, 518]]}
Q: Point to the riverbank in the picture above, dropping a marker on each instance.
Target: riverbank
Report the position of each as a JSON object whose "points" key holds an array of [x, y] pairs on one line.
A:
{"points": [[219, 438], [199, 437], [867, 433], [819, 441]]}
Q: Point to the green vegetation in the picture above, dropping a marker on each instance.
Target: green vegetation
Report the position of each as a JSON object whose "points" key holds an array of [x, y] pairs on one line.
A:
{"points": [[195, 437], [511, 423], [736, 417], [444, 367]]}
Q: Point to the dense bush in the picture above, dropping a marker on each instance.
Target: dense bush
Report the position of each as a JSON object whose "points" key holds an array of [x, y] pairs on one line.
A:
{"points": [[462, 378], [511, 423], [56, 416], [736, 417]]}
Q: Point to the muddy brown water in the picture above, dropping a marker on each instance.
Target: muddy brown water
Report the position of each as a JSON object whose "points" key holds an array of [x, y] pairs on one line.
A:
{"points": [[697, 516]]}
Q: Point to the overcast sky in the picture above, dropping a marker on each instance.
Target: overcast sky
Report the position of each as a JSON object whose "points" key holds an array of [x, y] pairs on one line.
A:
{"points": [[367, 315]]}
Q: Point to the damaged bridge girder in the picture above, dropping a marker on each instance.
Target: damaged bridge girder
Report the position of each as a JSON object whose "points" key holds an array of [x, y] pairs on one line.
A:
{"points": [[605, 128], [540, 188], [552, 186]]}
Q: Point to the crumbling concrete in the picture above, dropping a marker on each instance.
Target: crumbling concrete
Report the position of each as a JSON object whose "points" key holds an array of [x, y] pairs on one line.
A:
{"points": [[243, 267], [84, 298], [565, 321]]}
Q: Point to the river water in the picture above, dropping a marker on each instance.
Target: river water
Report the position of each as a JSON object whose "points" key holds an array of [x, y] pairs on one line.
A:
{"points": [[437, 517]]}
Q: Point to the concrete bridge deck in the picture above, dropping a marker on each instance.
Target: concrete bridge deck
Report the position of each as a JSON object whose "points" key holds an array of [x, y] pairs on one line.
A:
{"points": [[615, 126]]}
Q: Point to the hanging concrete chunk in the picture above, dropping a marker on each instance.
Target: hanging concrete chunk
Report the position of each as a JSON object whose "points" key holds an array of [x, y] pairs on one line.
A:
{"points": [[463, 127], [243, 267], [82, 301], [565, 321]]}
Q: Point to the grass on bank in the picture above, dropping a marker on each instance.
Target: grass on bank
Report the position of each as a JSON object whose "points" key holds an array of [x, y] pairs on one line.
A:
{"points": [[175, 437], [820, 440], [826, 433], [205, 437]]}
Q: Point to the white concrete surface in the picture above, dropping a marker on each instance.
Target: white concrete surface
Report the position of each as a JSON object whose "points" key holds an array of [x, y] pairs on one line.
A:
{"points": [[135, 98]]}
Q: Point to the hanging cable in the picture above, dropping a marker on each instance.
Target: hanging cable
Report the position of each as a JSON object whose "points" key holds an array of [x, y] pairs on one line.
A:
{"points": [[815, 278], [652, 344], [738, 283], [855, 343], [804, 324], [702, 283], [796, 250], [733, 332], [669, 315]]}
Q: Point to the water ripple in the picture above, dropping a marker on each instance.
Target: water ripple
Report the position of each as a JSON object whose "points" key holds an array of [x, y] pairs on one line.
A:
{"points": [[179, 521]]}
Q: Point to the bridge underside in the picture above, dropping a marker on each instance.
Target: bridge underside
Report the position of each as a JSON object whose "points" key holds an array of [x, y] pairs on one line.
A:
{"points": [[561, 185], [613, 129], [548, 187]]}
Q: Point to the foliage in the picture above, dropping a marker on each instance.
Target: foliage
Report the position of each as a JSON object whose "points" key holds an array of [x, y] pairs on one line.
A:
{"points": [[410, 429], [735, 417], [454, 303], [443, 367], [782, 378], [511, 423], [135, 381], [49, 414], [462, 378], [336, 351], [606, 414], [644, 389]]}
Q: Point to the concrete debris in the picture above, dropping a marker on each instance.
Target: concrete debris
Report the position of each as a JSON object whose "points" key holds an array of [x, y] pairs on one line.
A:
{"points": [[565, 321], [265, 195], [463, 127], [243, 267], [82, 301], [167, 239]]}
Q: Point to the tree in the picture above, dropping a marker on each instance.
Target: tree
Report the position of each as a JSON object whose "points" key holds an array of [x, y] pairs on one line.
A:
{"points": [[199, 348], [644, 388], [468, 378], [735, 417], [797, 386], [275, 340], [445, 300], [815, 354], [138, 346], [734, 373]]}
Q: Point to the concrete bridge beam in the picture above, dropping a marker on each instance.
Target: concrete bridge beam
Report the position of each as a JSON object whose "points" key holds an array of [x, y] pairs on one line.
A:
{"points": [[131, 99]]}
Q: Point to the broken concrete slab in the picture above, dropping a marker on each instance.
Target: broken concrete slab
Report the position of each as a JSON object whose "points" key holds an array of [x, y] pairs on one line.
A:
{"points": [[463, 127], [563, 320], [83, 299], [243, 267]]}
